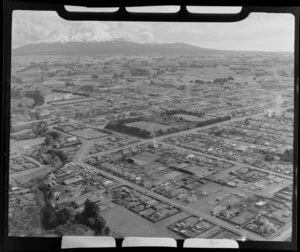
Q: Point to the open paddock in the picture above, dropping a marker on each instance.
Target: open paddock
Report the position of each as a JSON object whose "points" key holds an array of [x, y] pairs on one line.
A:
{"points": [[226, 234], [269, 185], [20, 163], [123, 222], [222, 198], [27, 176]]}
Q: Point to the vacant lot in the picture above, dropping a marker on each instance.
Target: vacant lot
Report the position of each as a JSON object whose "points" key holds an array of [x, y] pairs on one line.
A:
{"points": [[269, 185], [243, 217]]}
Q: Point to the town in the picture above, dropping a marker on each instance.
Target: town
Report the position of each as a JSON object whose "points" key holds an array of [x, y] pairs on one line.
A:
{"points": [[171, 146]]}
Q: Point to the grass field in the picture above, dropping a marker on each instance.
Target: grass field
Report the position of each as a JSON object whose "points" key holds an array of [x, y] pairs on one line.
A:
{"points": [[88, 133], [148, 126], [225, 234], [243, 217], [32, 174], [70, 101], [123, 222], [190, 118]]}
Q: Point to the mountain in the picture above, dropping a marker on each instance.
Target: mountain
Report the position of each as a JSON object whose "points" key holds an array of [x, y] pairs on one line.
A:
{"points": [[112, 47]]}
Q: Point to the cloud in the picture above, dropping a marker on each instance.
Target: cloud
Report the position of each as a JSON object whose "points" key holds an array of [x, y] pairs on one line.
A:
{"points": [[260, 31]]}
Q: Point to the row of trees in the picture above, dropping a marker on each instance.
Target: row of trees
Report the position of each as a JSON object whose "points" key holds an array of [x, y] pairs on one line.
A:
{"points": [[129, 130], [86, 89], [139, 72], [212, 121], [182, 111], [221, 80], [215, 81], [287, 155], [69, 83]]}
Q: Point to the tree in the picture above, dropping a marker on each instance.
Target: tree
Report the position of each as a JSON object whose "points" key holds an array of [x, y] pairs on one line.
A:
{"points": [[56, 162], [106, 231], [62, 216], [287, 155], [37, 96], [54, 134], [90, 209], [39, 128], [269, 157], [91, 218], [59, 153], [86, 88], [94, 76], [48, 217], [69, 83], [74, 204], [100, 225], [48, 140]]}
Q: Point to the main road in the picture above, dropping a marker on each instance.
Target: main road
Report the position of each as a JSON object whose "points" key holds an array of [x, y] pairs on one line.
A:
{"points": [[185, 208], [161, 138]]}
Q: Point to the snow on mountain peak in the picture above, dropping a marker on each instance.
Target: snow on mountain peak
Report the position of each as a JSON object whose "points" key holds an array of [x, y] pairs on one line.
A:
{"points": [[32, 30]]}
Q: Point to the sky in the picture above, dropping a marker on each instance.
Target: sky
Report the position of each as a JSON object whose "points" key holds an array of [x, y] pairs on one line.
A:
{"points": [[258, 32]]}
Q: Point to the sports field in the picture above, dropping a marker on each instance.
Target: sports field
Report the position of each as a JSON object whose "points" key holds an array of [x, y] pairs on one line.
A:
{"points": [[148, 126], [88, 133]]}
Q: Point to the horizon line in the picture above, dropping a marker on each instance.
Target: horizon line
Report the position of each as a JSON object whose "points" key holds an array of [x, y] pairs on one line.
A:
{"points": [[209, 48]]}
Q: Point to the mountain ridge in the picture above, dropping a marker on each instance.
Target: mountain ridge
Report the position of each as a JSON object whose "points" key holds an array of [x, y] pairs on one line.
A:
{"points": [[117, 46]]}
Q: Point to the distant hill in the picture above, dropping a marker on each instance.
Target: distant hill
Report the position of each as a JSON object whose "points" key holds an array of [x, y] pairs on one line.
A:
{"points": [[111, 48]]}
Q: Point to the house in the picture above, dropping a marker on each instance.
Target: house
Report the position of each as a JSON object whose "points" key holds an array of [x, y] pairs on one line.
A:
{"points": [[71, 139], [27, 150], [72, 180], [260, 203], [231, 184]]}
